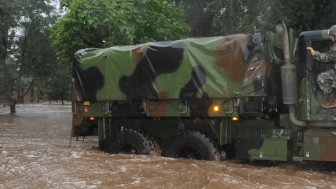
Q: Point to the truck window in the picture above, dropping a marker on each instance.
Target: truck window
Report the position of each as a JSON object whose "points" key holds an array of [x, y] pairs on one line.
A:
{"points": [[319, 67], [321, 46]]}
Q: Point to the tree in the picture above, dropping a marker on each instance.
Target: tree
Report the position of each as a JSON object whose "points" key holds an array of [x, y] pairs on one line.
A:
{"points": [[305, 14], [57, 85], [33, 53], [25, 49], [104, 23], [197, 16], [236, 16], [8, 16], [296, 14]]}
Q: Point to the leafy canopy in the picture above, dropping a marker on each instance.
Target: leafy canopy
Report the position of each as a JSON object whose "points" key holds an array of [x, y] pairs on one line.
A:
{"points": [[223, 17], [104, 23], [25, 52]]}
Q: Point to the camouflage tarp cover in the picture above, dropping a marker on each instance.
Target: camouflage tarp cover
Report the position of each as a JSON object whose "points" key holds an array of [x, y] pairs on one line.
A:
{"points": [[214, 67]]}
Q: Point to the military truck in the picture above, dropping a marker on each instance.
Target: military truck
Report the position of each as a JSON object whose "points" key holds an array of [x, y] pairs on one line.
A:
{"points": [[246, 96]]}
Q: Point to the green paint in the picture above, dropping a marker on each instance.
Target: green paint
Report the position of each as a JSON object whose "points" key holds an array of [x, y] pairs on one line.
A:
{"points": [[272, 149]]}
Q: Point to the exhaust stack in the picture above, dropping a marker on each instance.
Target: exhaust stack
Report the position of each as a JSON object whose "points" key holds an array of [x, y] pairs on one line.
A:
{"points": [[289, 78]]}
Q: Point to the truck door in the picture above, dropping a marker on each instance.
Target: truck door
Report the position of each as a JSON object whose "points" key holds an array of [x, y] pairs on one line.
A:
{"points": [[310, 94]]}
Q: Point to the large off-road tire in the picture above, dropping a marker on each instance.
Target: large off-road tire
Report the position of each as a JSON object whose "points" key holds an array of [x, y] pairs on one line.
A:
{"points": [[114, 141], [155, 147], [128, 141], [190, 144], [110, 146], [135, 142]]}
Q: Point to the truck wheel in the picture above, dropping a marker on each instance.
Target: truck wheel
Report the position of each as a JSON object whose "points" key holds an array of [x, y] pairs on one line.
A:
{"points": [[190, 144], [136, 142], [154, 146], [110, 146]]}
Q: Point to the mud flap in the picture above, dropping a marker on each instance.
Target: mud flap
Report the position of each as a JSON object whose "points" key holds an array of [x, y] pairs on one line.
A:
{"points": [[87, 128]]}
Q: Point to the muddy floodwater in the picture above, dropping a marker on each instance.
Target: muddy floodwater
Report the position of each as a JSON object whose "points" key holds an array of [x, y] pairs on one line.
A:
{"points": [[35, 153]]}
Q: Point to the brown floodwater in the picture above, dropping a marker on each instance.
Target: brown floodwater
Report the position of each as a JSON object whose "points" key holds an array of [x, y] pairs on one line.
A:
{"points": [[35, 153]]}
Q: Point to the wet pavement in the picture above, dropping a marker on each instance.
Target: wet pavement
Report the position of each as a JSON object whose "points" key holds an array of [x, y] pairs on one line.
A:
{"points": [[35, 153]]}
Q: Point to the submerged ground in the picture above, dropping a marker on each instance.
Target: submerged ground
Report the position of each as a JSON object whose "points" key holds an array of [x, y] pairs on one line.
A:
{"points": [[35, 153]]}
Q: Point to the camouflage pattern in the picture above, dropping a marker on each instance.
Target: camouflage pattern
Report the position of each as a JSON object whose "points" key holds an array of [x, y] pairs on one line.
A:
{"points": [[168, 78], [261, 140], [327, 82], [214, 67], [327, 79], [319, 145]]}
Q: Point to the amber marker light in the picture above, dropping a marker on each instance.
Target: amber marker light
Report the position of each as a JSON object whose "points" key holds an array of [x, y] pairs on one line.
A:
{"points": [[86, 106], [215, 108], [86, 103], [235, 118]]}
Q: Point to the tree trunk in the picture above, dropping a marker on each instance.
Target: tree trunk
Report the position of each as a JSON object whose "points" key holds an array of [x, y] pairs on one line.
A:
{"points": [[12, 108], [231, 16]]}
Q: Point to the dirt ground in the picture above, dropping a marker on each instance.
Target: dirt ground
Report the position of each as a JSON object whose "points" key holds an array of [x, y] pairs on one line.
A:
{"points": [[35, 153]]}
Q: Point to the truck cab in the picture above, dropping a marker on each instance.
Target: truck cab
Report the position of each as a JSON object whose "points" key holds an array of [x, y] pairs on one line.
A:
{"points": [[310, 95]]}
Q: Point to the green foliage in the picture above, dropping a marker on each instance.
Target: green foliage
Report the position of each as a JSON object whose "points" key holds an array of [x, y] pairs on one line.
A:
{"points": [[57, 85], [197, 16], [296, 14], [65, 3], [237, 16], [34, 55], [103, 23], [25, 47], [8, 15]]}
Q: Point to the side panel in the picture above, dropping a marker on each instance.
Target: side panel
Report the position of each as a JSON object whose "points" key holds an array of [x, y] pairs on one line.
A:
{"points": [[320, 145], [262, 140], [276, 149]]}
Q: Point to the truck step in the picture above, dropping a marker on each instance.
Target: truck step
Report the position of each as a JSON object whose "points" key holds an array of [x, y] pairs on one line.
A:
{"points": [[297, 158]]}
